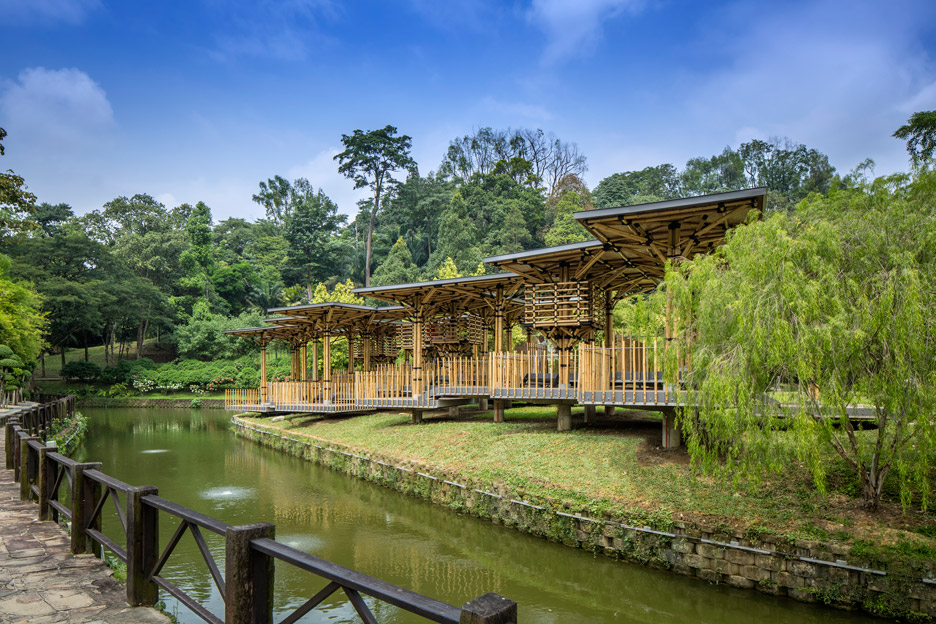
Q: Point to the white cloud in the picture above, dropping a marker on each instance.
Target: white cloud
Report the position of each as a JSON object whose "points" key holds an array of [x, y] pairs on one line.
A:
{"points": [[47, 11], [573, 27], [55, 109], [840, 82], [322, 172]]}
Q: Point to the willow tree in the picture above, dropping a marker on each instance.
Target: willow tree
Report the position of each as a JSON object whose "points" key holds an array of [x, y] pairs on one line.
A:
{"points": [[836, 305]]}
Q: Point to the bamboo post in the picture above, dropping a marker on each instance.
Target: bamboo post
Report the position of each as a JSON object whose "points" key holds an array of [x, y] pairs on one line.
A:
{"points": [[304, 356], [263, 373], [315, 360], [418, 350], [367, 351], [326, 368]]}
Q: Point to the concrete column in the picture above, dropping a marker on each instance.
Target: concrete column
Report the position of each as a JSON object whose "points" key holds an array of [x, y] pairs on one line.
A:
{"points": [[609, 410], [483, 405], [499, 410], [453, 411], [670, 431], [563, 417], [589, 413], [417, 417]]}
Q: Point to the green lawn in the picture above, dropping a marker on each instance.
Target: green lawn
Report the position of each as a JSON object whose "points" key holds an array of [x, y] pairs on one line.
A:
{"points": [[615, 467]]}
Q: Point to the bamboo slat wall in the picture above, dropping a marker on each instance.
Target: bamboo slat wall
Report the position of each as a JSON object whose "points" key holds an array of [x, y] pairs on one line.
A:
{"points": [[563, 304], [388, 385]]}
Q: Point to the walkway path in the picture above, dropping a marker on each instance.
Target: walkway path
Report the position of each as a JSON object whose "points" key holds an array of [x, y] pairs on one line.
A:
{"points": [[41, 581]]}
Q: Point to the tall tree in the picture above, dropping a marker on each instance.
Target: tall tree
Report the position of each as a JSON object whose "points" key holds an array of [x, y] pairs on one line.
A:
{"points": [[630, 187], [199, 259], [370, 159], [920, 134], [310, 232], [21, 319], [565, 229]]}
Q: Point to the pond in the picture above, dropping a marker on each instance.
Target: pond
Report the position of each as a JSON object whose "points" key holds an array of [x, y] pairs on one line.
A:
{"points": [[195, 460]]}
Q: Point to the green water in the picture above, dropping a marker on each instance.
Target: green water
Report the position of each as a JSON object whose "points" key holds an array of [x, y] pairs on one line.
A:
{"points": [[194, 459]]}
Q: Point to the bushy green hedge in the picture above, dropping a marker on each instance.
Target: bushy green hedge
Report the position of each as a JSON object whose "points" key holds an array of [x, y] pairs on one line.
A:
{"points": [[82, 371]]}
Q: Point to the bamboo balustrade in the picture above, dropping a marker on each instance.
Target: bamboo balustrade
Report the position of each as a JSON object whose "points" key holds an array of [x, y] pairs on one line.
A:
{"points": [[242, 399], [534, 375], [460, 377], [388, 385], [630, 372]]}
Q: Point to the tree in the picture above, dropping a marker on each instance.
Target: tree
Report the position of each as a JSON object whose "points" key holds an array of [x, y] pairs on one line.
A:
{"points": [[21, 319], [276, 198], [16, 203], [11, 369], [199, 258], [650, 183], [398, 267], [718, 174], [458, 237], [447, 270], [542, 158], [370, 159], [310, 232], [51, 218], [836, 300], [790, 171], [565, 228], [920, 134]]}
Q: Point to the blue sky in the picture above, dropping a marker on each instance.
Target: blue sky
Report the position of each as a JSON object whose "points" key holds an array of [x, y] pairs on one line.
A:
{"points": [[201, 100]]}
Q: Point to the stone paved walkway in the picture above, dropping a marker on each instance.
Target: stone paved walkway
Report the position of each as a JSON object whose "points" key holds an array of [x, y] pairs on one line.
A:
{"points": [[41, 581]]}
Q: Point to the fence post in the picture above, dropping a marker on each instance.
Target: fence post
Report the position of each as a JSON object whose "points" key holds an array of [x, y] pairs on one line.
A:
{"points": [[83, 491], [489, 609], [9, 441], [248, 583], [44, 481], [26, 466], [142, 547]]}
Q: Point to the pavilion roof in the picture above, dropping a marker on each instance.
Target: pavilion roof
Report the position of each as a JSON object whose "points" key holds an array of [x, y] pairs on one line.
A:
{"points": [[452, 296], [650, 234]]}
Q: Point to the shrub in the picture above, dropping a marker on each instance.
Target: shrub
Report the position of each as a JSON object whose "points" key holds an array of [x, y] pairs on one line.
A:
{"points": [[82, 371], [196, 403]]}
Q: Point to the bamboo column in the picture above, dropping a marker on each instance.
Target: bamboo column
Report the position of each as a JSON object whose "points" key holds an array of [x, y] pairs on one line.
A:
{"points": [[350, 354], [367, 350], [304, 364], [418, 349], [498, 345], [326, 368], [315, 360], [263, 373]]}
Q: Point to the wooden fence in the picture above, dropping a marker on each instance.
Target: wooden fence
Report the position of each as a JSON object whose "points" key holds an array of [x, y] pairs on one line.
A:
{"points": [[78, 493], [535, 375], [630, 372]]}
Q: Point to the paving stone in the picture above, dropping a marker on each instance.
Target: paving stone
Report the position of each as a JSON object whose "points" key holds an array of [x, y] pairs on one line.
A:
{"points": [[41, 582]]}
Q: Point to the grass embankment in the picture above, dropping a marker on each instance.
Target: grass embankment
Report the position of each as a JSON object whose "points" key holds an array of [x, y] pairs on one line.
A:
{"points": [[615, 469]]}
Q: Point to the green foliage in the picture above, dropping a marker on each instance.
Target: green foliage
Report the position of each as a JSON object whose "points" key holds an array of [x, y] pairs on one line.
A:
{"points": [[82, 371], [398, 267], [837, 303], [21, 319], [310, 231], [920, 134], [16, 203], [565, 229], [447, 270], [201, 337], [370, 159], [12, 369], [620, 189]]}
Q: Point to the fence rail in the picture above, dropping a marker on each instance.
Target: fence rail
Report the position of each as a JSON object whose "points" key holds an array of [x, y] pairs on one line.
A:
{"points": [[247, 583]]}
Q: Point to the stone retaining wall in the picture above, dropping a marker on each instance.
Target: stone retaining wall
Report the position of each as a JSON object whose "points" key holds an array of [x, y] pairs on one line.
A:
{"points": [[803, 570], [155, 403]]}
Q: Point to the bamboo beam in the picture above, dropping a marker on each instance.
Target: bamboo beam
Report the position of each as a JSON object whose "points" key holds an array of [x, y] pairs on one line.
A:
{"points": [[326, 368]]}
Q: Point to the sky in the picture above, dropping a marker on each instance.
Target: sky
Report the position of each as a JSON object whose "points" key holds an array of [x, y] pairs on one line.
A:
{"points": [[201, 100]]}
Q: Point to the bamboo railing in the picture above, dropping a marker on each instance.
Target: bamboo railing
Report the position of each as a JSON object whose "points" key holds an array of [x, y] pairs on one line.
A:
{"points": [[242, 398], [535, 375], [459, 377], [390, 385], [315, 396], [631, 372]]}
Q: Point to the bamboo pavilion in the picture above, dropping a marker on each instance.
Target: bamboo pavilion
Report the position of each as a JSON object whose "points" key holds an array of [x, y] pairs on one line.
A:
{"points": [[446, 342]]}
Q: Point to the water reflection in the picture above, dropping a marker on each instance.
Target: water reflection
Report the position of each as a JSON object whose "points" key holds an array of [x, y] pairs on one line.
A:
{"points": [[399, 539]]}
